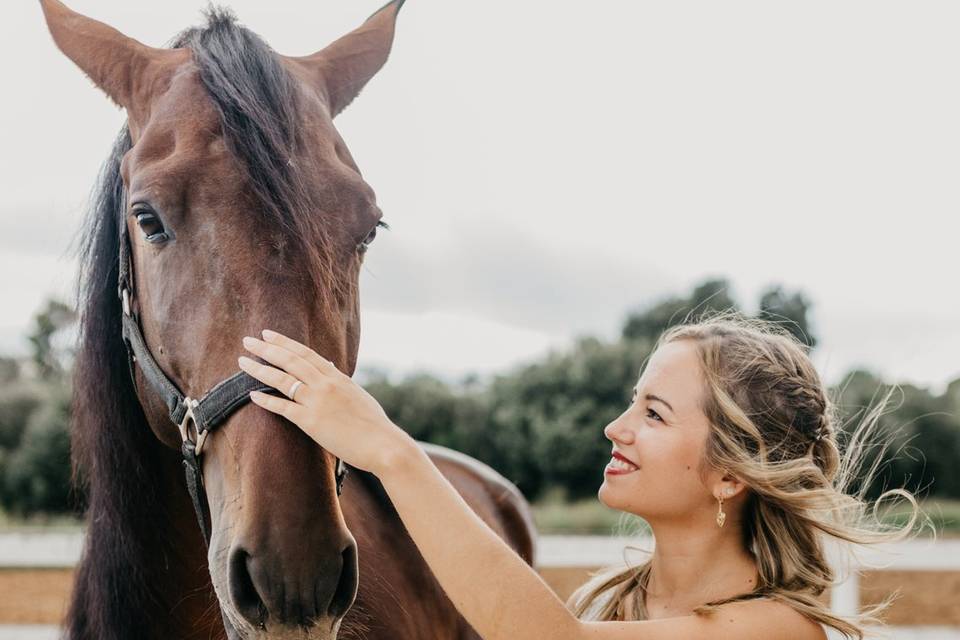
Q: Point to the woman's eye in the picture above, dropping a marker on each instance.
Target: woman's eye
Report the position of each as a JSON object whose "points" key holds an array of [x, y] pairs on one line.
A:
{"points": [[649, 411]]}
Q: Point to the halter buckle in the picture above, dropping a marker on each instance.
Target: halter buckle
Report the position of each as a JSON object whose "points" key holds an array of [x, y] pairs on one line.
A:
{"points": [[184, 427]]}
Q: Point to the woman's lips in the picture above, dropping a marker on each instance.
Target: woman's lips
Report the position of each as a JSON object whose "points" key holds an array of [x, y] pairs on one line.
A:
{"points": [[619, 465]]}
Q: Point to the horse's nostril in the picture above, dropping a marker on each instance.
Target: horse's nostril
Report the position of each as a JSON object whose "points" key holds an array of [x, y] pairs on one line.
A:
{"points": [[346, 589], [242, 590], [256, 594]]}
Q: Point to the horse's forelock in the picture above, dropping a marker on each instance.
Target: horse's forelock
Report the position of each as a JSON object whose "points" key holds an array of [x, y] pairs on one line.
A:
{"points": [[258, 102]]}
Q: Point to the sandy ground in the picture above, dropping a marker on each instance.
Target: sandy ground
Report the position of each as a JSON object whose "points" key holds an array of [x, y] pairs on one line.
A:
{"points": [[36, 573], [39, 596], [929, 598], [34, 596]]}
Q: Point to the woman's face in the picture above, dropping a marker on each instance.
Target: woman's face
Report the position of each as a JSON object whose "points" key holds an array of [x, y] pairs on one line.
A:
{"points": [[662, 435]]}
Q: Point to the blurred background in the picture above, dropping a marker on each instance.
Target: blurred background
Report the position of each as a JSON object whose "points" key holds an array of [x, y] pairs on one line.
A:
{"points": [[563, 181]]}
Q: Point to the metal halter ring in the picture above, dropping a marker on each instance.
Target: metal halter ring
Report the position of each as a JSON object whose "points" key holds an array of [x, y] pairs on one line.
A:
{"points": [[293, 389], [184, 426]]}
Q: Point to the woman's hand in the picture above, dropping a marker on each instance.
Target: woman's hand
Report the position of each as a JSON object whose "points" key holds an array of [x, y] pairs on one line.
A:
{"points": [[329, 407], [501, 597]]}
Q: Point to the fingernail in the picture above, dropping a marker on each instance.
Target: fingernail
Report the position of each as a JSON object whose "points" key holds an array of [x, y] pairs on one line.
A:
{"points": [[269, 334], [244, 360], [247, 340]]}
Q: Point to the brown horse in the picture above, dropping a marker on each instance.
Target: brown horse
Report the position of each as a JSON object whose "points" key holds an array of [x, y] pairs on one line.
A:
{"points": [[244, 210]]}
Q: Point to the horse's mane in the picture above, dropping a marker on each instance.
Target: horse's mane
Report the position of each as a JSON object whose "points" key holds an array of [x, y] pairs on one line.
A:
{"points": [[116, 458]]}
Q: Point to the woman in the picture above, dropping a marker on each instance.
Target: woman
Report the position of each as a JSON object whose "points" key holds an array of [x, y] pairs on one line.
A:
{"points": [[728, 450]]}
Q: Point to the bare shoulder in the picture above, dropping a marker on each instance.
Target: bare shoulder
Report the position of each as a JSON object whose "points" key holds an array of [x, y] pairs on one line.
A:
{"points": [[747, 620], [772, 620]]}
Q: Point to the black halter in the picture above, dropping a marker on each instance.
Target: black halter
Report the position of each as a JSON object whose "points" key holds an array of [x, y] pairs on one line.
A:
{"points": [[205, 414]]}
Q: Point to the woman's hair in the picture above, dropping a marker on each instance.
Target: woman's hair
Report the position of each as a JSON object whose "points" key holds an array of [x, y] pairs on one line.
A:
{"points": [[766, 405]]}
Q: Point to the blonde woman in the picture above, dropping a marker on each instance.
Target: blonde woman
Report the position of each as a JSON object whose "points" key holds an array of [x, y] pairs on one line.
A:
{"points": [[728, 450]]}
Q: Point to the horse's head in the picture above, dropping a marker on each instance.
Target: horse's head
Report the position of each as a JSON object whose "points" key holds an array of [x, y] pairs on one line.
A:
{"points": [[245, 211]]}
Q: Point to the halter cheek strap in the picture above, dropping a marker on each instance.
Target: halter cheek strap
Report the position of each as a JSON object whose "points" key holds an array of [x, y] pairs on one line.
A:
{"points": [[195, 419]]}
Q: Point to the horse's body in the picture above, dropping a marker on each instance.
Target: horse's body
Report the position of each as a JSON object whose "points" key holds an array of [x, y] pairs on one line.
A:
{"points": [[430, 614], [244, 210]]}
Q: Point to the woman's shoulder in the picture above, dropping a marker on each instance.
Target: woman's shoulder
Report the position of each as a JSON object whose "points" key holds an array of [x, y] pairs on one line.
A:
{"points": [[774, 619], [590, 594]]}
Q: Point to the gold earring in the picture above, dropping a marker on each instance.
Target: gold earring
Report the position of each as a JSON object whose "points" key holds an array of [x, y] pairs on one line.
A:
{"points": [[721, 516]]}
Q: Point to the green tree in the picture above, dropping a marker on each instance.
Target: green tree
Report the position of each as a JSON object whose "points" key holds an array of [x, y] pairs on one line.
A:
{"points": [[553, 412], [648, 323], [9, 370], [916, 443], [17, 403], [36, 474], [49, 323], [541, 424], [789, 311]]}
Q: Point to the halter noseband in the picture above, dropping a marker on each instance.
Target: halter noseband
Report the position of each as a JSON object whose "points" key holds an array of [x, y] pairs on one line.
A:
{"points": [[205, 414]]}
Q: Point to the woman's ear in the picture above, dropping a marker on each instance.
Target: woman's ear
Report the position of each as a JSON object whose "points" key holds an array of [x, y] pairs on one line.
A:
{"points": [[728, 487]]}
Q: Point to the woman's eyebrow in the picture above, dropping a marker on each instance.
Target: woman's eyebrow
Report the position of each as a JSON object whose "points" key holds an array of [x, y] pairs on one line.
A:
{"points": [[650, 396]]}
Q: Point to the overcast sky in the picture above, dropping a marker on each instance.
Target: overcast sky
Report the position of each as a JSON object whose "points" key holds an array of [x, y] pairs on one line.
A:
{"points": [[548, 166]]}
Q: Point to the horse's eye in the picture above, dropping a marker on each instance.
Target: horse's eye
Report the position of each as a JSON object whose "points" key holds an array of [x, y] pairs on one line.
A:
{"points": [[363, 246], [151, 226]]}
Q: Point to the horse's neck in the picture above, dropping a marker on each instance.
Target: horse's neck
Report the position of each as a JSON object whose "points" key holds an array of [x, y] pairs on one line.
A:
{"points": [[171, 567], [398, 597], [187, 594]]}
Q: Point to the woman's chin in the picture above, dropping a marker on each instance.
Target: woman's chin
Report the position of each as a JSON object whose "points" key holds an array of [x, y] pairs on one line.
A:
{"points": [[611, 499], [615, 496], [608, 496]]}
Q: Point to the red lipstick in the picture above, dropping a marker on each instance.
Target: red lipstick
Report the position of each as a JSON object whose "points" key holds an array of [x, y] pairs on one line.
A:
{"points": [[619, 465]]}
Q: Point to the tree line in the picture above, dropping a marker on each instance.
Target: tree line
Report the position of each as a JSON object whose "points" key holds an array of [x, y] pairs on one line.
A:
{"points": [[539, 424]]}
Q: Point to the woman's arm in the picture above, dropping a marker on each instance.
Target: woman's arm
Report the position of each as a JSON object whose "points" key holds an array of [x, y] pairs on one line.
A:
{"points": [[494, 589], [503, 598]]}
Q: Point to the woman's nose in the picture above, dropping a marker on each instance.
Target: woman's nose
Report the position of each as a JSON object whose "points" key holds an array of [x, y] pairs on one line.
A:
{"points": [[618, 431]]}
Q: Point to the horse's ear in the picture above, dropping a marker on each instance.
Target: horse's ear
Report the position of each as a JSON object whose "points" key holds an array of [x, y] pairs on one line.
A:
{"points": [[341, 69], [123, 68]]}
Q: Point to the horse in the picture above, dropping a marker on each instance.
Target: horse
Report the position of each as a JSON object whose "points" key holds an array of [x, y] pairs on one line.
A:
{"points": [[230, 203]]}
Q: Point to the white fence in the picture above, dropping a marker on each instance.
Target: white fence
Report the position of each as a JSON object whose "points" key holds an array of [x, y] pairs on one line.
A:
{"points": [[62, 549], [922, 555]]}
